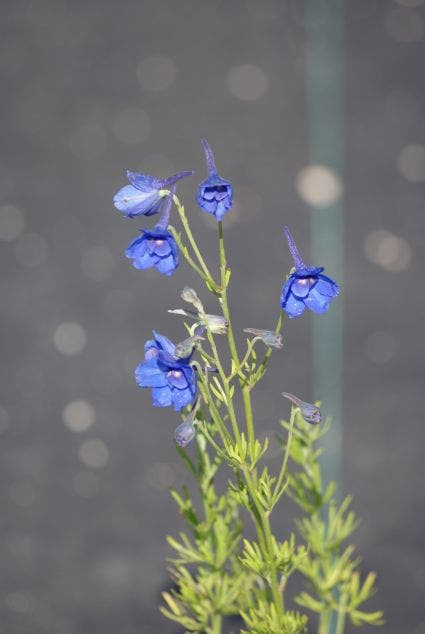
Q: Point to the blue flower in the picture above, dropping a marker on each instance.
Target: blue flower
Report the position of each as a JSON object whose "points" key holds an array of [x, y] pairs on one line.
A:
{"points": [[156, 247], [143, 196], [215, 194], [306, 287], [173, 381]]}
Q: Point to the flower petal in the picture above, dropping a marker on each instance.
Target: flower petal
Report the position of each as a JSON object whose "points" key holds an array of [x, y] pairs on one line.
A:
{"points": [[149, 375], [166, 266], [326, 286], [190, 378], [164, 343], [300, 287], [177, 379], [143, 182], [133, 202], [181, 398], [316, 302], [161, 397], [293, 306], [151, 350], [161, 247]]}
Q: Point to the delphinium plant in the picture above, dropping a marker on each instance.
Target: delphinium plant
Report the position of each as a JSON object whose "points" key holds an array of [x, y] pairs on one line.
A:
{"points": [[216, 569]]}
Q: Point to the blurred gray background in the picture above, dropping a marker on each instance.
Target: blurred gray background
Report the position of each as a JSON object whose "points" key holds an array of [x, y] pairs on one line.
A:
{"points": [[91, 88]]}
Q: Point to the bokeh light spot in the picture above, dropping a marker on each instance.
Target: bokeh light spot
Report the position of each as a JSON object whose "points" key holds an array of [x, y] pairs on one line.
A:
{"points": [[31, 250], [88, 142], [78, 415], [380, 347], [131, 125], [70, 338], [86, 484], [161, 475], [269, 10], [319, 186], [404, 25], [18, 602], [156, 73], [94, 453], [97, 263], [22, 493], [411, 163], [12, 223], [4, 420], [247, 82], [389, 251], [410, 3]]}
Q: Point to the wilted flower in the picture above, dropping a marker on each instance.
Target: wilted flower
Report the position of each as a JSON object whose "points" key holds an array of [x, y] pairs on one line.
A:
{"points": [[310, 413], [306, 287], [143, 196], [190, 296], [269, 337], [216, 323], [215, 194], [185, 433], [173, 381], [156, 247], [185, 348]]}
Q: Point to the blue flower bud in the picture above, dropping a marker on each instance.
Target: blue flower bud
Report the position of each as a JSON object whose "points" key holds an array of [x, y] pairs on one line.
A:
{"points": [[310, 413], [185, 433], [215, 194]]}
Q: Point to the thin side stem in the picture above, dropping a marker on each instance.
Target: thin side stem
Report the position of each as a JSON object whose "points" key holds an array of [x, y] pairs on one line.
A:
{"points": [[266, 532], [287, 448], [184, 221], [186, 255], [263, 364], [249, 349], [224, 302]]}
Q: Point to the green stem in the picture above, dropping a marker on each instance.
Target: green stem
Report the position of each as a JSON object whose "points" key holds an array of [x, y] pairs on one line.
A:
{"points": [[224, 303], [216, 622], [249, 420], [324, 622], [263, 524], [286, 456], [229, 401], [209, 400], [185, 223], [238, 369], [268, 542], [185, 252], [263, 364], [342, 613]]}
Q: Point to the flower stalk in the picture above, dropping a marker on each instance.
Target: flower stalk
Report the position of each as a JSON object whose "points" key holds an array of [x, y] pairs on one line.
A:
{"points": [[218, 571]]}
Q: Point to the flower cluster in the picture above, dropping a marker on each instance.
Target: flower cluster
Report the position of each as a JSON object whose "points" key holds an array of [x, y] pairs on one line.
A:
{"points": [[248, 577], [167, 368]]}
